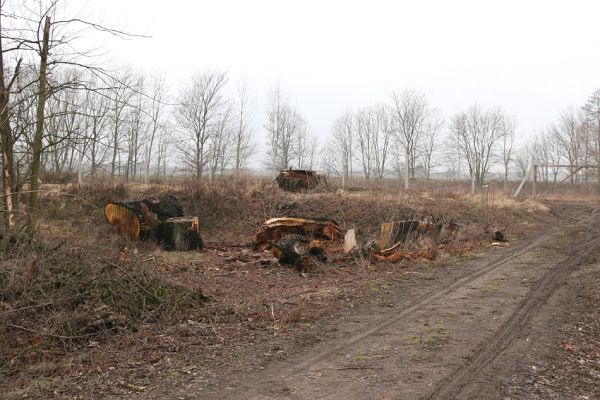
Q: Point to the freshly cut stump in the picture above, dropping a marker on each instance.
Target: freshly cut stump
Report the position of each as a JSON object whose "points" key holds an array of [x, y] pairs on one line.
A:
{"points": [[180, 234]]}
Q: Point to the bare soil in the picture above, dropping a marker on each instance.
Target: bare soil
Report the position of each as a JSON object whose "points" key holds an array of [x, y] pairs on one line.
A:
{"points": [[463, 340], [478, 322]]}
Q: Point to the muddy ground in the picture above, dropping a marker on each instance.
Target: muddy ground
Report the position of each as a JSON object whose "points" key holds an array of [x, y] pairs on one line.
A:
{"points": [[480, 321]]}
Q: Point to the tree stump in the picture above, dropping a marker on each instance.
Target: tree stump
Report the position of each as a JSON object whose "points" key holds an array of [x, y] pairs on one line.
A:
{"points": [[180, 234], [395, 232]]}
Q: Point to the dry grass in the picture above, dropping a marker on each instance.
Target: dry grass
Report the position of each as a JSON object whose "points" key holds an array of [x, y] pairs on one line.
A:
{"points": [[73, 288]]}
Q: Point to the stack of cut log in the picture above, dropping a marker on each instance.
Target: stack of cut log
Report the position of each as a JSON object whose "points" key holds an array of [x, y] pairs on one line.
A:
{"points": [[294, 240], [297, 179], [158, 218]]}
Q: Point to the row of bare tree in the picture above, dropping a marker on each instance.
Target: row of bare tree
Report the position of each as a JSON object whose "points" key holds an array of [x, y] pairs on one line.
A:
{"points": [[572, 140], [60, 113], [406, 135]]}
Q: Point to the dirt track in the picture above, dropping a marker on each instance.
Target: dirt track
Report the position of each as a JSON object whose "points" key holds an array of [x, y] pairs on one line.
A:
{"points": [[461, 339]]}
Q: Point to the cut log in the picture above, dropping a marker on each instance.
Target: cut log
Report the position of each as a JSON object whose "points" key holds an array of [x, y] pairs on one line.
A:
{"points": [[165, 207], [138, 219], [297, 179], [180, 234], [273, 230], [127, 218], [158, 218], [299, 251]]}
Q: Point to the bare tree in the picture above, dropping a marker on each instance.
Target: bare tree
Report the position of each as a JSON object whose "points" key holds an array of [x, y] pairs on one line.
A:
{"points": [[157, 97], [136, 125], [221, 139], [313, 152], [286, 130], [340, 145], [521, 159], [120, 96], [243, 141], [366, 132], [542, 152], [429, 142], [197, 112], [478, 132], [383, 138], [591, 117], [95, 109], [508, 126], [567, 134], [410, 110]]}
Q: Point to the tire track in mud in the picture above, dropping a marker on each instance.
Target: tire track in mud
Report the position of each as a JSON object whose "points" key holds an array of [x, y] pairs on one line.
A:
{"points": [[451, 387], [425, 300]]}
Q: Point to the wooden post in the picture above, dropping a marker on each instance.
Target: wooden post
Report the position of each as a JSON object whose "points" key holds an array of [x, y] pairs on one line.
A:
{"points": [[525, 178]]}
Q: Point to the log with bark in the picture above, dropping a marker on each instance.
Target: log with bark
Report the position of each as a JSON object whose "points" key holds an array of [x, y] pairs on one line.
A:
{"points": [[130, 218], [297, 179], [160, 219], [272, 230], [299, 251]]}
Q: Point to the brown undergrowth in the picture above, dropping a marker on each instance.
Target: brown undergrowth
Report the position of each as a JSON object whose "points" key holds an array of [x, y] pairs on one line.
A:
{"points": [[83, 306]]}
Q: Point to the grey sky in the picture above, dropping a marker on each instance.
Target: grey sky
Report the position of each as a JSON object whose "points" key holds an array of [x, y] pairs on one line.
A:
{"points": [[533, 58]]}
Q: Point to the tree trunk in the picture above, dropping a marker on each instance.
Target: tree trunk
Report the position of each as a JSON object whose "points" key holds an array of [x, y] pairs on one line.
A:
{"points": [[146, 162], [6, 141], [80, 166], [406, 168], [39, 130]]}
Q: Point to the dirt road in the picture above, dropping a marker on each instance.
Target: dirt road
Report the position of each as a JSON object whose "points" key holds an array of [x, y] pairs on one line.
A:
{"points": [[464, 338]]}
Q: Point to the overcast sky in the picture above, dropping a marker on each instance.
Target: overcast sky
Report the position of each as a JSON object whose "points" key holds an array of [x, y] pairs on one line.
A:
{"points": [[533, 58]]}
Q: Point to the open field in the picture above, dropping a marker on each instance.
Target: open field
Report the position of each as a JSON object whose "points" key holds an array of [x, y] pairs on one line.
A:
{"points": [[88, 314]]}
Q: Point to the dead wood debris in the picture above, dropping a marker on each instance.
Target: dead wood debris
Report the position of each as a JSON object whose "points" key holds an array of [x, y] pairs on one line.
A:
{"points": [[292, 240], [300, 252], [297, 179], [161, 219], [272, 230]]}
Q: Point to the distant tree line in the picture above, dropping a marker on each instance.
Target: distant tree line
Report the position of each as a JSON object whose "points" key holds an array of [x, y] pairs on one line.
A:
{"points": [[63, 114]]}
